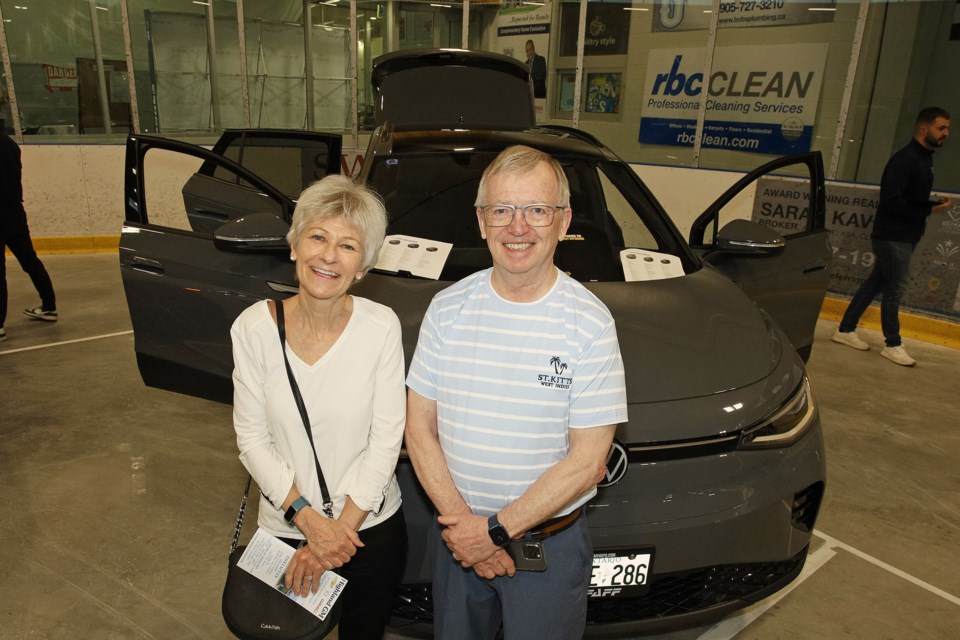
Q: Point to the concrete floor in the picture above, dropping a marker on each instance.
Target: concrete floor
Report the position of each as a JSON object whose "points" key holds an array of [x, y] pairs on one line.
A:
{"points": [[117, 502]]}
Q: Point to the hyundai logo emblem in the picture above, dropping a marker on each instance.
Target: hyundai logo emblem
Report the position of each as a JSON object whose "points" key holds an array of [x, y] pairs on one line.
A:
{"points": [[616, 465]]}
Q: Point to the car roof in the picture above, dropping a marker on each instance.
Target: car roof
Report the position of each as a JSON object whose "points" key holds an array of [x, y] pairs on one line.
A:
{"points": [[424, 89]]}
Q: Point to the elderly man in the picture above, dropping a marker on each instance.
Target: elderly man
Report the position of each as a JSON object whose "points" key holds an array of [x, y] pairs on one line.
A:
{"points": [[515, 391]]}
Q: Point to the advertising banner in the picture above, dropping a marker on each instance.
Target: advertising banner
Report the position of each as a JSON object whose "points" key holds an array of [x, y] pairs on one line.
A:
{"points": [[523, 32], [678, 15], [761, 99], [781, 204], [608, 29]]}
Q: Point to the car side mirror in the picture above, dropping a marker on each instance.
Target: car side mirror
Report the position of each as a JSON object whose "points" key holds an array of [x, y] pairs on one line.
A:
{"points": [[258, 232], [744, 236]]}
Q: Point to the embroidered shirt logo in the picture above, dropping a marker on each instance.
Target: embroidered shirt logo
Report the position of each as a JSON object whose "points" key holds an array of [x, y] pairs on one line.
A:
{"points": [[557, 381]]}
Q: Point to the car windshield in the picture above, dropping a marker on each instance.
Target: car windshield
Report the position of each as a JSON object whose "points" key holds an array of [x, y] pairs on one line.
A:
{"points": [[431, 195]]}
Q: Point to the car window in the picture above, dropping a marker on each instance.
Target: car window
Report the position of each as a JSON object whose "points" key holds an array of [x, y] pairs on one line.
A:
{"points": [[289, 164], [432, 194], [634, 229]]}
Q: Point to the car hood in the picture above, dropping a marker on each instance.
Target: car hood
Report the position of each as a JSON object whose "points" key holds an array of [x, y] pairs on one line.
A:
{"points": [[693, 336]]}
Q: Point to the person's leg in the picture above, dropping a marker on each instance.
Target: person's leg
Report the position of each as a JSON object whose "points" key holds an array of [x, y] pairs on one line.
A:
{"points": [[552, 603], [21, 246], [3, 277], [372, 578], [896, 274], [863, 297], [465, 606]]}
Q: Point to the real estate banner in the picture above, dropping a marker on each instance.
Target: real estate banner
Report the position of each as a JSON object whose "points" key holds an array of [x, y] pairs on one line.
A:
{"points": [[517, 25], [761, 99]]}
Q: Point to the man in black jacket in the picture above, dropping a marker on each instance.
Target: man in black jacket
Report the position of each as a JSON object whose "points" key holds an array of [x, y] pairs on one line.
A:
{"points": [[15, 233], [897, 228]]}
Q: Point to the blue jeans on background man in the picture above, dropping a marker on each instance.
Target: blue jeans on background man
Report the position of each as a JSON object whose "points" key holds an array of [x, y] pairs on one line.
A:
{"points": [[889, 276]]}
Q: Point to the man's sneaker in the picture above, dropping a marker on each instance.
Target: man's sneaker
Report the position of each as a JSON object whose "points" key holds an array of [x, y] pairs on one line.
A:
{"points": [[851, 339], [898, 355], [40, 314], [3, 334]]}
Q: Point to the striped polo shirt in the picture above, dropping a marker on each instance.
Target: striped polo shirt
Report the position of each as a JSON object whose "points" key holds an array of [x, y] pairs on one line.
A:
{"points": [[510, 379]]}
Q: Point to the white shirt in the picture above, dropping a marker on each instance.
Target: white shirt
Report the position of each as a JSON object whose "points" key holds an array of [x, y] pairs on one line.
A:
{"points": [[355, 398]]}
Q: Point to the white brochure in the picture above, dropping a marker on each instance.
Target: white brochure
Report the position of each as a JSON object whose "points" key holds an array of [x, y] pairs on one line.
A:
{"points": [[266, 557], [639, 264], [419, 256]]}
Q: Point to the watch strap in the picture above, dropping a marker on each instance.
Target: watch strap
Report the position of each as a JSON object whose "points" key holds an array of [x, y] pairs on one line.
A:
{"points": [[294, 508]]}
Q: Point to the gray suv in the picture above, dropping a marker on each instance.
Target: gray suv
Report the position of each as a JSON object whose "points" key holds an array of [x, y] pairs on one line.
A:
{"points": [[713, 485]]}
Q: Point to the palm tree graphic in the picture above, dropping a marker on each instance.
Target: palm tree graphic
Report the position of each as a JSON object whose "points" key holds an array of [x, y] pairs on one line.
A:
{"points": [[558, 367]]}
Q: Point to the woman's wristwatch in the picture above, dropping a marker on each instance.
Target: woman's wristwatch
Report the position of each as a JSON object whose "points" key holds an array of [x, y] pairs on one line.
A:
{"points": [[295, 507]]}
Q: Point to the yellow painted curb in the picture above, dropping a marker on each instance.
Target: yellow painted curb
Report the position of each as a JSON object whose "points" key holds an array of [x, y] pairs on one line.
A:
{"points": [[75, 244], [925, 328]]}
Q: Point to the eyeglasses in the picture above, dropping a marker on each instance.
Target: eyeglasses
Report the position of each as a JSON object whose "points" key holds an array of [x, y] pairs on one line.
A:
{"points": [[537, 214]]}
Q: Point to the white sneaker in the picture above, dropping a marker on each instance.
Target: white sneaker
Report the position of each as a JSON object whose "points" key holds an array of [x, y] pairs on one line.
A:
{"points": [[898, 355], [851, 339], [3, 334]]}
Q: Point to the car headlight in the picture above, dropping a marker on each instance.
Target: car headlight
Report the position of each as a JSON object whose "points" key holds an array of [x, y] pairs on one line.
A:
{"points": [[787, 424]]}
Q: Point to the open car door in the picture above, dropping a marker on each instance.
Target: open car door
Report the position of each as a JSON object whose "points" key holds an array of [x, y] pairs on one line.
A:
{"points": [[786, 275], [204, 238]]}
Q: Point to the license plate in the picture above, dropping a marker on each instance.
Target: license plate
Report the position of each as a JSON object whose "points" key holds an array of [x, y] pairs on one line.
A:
{"points": [[621, 572]]}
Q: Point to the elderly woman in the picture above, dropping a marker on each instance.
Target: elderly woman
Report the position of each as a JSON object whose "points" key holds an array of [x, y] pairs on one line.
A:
{"points": [[347, 358]]}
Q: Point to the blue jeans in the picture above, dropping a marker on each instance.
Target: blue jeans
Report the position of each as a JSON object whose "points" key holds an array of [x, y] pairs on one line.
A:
{"points": [[889, 277]]}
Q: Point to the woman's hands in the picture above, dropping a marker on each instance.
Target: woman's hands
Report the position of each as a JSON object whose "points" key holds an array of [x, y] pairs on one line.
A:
{"points": [[330, 544]]}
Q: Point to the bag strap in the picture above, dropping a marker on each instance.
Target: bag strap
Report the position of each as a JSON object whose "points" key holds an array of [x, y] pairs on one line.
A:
{"points": [[243, 507], [327, 502]]}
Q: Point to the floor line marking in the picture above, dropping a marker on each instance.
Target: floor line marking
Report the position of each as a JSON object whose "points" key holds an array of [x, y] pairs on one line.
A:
{"points": [[60, 344], [732, 625], [888, 567], [140, 631]]}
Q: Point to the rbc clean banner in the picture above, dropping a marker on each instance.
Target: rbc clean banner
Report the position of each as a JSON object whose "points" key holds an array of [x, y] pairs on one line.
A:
{"points": [[761, 99]]}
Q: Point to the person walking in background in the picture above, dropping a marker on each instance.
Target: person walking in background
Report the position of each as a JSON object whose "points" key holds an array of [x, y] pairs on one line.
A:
{"points": [[515, 391], [15, 233], [897, 228], [538, 70]]}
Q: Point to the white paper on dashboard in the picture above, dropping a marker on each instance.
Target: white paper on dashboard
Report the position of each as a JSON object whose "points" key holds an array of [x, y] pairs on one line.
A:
{"points": [[639, 264], [266, 558], [421, 257]]}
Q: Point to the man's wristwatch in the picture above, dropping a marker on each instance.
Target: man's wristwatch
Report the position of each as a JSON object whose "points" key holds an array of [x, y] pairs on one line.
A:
{"points": [[498, 532], [298, 504]]}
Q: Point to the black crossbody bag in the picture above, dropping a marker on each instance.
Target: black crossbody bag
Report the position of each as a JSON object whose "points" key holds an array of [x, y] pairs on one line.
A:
{"points": [[252, 609]]}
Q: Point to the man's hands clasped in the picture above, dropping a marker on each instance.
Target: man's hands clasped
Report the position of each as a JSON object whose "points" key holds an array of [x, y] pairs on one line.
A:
{"points": [[468, 540]]}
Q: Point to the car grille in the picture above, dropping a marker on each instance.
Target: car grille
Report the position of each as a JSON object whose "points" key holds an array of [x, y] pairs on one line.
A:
{"points": [[669, 594]]}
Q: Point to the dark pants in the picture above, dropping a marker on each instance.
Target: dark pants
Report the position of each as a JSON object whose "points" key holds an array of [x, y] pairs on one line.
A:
{"points": [[15, 233], [889, 277], [551, 605], [373, 575]]}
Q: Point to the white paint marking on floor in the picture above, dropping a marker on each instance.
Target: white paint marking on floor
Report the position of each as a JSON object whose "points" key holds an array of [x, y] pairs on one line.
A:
{"points": [[59, 344], [836, 544], [140, 631], [734, 624]]}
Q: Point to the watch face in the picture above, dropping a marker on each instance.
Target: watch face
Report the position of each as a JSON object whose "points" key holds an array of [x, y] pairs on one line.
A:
{"points": [[499, 535]]}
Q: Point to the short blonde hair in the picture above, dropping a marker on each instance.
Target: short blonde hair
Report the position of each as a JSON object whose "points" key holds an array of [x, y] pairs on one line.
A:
{"points": [[520, 159], [337, 195]]}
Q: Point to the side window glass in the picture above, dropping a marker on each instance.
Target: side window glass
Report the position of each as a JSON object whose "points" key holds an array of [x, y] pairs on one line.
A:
{"points": [[165, 173], [778, 199], [178, 195], [635, 232], [289, 165]]}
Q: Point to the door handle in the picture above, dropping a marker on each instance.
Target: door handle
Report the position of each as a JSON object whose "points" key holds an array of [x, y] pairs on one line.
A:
{"points": [[146, 265]]}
